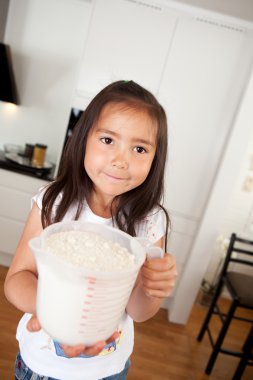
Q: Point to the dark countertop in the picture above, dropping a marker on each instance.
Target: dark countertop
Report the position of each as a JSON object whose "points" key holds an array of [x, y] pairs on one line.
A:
{"points": [[32, 172]]}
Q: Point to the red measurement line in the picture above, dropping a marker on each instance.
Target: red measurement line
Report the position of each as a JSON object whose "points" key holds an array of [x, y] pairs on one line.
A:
{"points": [[91, 279]]}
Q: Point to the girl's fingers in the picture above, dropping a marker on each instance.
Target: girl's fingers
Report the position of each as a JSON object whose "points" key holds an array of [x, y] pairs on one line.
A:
{"points": [[157, 270], [33, 324], [71, 351], [153, 275], [158, 276], [168, 262], [74, 351], [163, 288], [114, 337], [158, 293]]}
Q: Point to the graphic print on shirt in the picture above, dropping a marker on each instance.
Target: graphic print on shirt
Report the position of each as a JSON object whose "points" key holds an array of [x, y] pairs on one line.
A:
{"points": [[108, 349]]}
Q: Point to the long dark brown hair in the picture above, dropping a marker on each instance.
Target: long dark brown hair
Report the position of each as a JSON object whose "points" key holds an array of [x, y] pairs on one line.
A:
{"points": [[72, 181]]}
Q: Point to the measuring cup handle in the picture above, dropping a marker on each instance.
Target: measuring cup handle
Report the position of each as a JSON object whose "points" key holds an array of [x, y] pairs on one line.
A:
{"points": [[152, 251]]}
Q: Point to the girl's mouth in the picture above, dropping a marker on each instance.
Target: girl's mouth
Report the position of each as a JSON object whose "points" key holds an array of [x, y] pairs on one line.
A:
{"points": [[114, 177]]}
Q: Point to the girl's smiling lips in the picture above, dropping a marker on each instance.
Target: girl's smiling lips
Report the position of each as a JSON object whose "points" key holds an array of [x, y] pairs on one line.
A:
{"points": [[114, 177]]}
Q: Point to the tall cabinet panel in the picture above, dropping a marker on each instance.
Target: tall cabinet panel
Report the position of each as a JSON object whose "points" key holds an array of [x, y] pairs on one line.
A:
{"points": [[201, 87], [126, 40]]}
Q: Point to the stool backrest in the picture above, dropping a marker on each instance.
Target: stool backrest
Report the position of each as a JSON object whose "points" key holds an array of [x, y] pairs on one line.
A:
{"points": [[240, 251]]}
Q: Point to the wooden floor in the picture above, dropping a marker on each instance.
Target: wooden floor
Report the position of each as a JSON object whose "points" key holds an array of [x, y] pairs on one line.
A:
{"points": [[163, 351]]}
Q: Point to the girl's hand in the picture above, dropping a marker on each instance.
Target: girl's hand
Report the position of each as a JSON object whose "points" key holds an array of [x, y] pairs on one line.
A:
{"points": [[158, 276], [33, 325], [73, 351]]}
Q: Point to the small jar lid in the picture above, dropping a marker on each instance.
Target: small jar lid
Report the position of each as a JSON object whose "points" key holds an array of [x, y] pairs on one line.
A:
{"points": [[42, 146]]}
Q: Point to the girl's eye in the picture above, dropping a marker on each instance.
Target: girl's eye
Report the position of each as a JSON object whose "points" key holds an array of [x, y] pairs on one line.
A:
{"points": [[140, 149], [106, 140]]}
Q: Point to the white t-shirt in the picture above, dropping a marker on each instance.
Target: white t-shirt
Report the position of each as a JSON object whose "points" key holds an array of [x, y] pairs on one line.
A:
{"points": [[45, 356]]}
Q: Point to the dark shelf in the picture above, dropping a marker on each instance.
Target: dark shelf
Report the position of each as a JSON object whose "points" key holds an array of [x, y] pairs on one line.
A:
{"points": [[31, 172]]}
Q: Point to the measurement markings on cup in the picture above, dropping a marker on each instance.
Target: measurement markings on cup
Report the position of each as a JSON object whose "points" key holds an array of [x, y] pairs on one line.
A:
{"points": [[91, 281]]}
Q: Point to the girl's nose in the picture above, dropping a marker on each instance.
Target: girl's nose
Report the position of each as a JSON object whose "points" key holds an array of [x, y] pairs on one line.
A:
{"points": [[120, 161], [120, 164]]}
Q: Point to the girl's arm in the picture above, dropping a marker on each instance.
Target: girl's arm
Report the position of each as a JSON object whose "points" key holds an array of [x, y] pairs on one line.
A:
{"points": [[155, 282], [21, 281]]}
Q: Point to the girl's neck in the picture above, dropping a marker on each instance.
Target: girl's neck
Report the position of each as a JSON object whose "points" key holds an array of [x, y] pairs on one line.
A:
{"points": [[101, 207]]}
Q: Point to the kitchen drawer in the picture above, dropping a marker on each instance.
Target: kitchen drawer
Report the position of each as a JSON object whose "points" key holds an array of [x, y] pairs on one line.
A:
{"points": [[15, 204], [20, 182], [10, 233], [16, 191]]}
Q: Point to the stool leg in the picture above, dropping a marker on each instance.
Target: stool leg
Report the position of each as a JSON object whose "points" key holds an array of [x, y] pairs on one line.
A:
{"points": [[247, 350], [219, 341], [210, 312]]}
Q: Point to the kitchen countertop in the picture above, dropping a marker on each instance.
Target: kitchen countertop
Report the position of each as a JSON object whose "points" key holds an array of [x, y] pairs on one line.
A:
{"points": [[17, 168]]}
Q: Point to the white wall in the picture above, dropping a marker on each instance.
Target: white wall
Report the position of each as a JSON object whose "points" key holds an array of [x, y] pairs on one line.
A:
{"points": [[4, 5], [213, 217], [238, 213], [47, 40]]}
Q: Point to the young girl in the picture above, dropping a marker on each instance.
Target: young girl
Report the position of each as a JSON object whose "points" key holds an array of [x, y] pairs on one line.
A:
{"points": [[112, 173]]}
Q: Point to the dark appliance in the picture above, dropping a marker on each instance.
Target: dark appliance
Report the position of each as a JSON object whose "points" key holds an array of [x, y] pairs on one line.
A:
{"points": [[8, 89], [74, 116]]}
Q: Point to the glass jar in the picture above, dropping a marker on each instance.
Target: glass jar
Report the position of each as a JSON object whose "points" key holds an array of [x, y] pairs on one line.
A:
{"points": [[39, 154]]}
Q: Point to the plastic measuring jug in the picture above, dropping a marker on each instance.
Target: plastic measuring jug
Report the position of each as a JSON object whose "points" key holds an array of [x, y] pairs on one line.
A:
{"points": [[77, 305]]}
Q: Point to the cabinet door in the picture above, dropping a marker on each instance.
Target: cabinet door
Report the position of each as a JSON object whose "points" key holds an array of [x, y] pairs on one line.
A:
{"points": [[203, 81], [126, 40], [10, 234], [16, 191]]}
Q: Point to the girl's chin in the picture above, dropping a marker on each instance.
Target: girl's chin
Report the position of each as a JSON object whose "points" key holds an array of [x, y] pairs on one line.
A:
{"points": [[109, 192]]}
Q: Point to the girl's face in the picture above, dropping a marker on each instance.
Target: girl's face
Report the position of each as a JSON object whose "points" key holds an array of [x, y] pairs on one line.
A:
{"points": [[120, 150]]}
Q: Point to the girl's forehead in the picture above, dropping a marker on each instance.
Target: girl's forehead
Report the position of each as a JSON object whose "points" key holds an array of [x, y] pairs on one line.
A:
{"points": [[126, 112], [115, 108]]}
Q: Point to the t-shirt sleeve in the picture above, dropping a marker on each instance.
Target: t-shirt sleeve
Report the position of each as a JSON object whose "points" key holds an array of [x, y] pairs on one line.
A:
{"points": [[154, 226], [37, 199]]}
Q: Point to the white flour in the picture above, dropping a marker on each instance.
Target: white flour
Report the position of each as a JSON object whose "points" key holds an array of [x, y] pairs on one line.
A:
{"points": [[89, 250]]}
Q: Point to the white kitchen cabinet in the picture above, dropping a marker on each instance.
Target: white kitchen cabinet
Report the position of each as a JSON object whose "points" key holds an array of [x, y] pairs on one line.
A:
{"points": [[16, 191], [126, 40]]}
